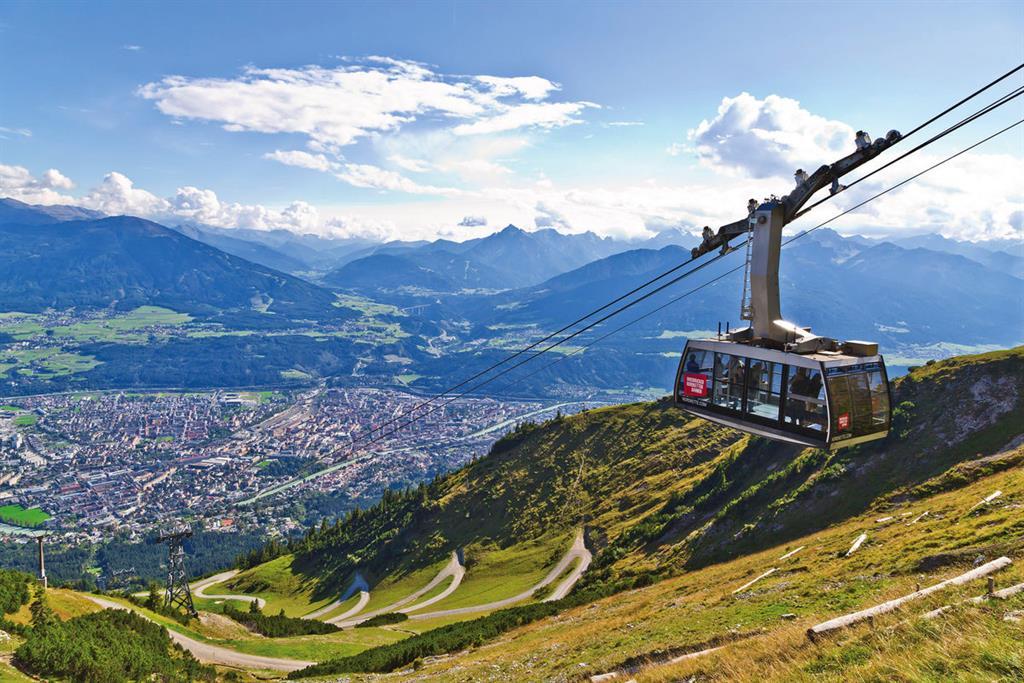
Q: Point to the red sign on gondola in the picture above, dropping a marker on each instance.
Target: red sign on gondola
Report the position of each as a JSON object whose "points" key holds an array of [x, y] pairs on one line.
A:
{"points": [[695, 385], [843, 422]]}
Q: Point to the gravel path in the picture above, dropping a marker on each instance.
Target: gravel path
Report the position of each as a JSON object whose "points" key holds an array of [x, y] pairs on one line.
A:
{"points": [[578, 550], [199, 587], [213, 654], [358, 584], [454, 568]]}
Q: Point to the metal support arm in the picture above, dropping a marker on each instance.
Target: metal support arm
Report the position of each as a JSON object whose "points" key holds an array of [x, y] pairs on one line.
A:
{"points": [[795, 200]]}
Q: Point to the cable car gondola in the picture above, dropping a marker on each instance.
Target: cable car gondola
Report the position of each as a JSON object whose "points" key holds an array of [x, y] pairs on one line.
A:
{"points": [[773, 378]]}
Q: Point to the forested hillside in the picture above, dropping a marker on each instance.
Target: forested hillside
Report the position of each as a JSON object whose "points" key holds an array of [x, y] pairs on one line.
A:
{"points": [[659, 492]]}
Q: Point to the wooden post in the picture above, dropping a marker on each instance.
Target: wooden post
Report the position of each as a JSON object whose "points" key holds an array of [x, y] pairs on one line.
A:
{"points": [[850, 619]]}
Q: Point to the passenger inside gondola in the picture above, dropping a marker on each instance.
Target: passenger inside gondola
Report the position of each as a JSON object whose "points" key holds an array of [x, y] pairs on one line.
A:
{"points": [[691, 363], [728, 384], [805, 405]]}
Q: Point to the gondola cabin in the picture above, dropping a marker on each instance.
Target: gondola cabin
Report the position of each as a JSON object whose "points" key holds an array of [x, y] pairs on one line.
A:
{"points": [[827, 399]]}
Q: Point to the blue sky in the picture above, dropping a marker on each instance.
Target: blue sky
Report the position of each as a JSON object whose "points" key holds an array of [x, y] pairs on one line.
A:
{"points": [[263, 114]]}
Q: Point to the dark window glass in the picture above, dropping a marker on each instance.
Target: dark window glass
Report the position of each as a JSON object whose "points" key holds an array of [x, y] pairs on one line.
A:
{"points": [[860, 403], [764, 386], [805, 400], [696, 378], [729, 380], [879, 400]]}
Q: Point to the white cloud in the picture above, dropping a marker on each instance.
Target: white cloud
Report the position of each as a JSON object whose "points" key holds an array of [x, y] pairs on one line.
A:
{"points": [[357, 226], [676, 148], [117, 195], [131, 48], [975, 196], [624, 124], [548, 217], [465, 178], [413, 165], [377, 178], [296, 157], [769, 137], [55, 179], [475, 160], [18, 183], [530, 87], [544, 115], [194, 204], [22, 132], [335, 107]]}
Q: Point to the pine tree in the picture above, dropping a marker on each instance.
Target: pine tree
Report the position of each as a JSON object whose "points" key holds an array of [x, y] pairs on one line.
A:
{"points": [[42, 616]]}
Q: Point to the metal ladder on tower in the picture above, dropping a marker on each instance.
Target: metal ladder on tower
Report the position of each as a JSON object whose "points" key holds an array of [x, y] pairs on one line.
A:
{"points": [[746, 309]]}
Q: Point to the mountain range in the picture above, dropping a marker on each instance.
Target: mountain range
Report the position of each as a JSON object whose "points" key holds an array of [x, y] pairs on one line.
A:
{"points": [[123, 262], [454, 308]]}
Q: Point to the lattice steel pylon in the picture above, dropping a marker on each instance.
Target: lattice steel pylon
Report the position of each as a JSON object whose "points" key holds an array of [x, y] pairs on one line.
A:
{"points": [[178, 592], [746, 307]]}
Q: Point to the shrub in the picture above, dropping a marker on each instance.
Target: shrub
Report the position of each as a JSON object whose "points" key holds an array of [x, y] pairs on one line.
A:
{"points": [[384, 620], [278, 625], [105, 647]]}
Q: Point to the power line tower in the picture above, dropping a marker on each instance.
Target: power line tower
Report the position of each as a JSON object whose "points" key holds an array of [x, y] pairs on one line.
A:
{"points": [[178, 592]]}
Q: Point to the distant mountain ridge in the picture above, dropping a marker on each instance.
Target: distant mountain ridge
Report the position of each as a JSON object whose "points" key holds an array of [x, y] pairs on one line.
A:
{"points": [[508, 259], [840, 286], [126, 262], [13, 211]]}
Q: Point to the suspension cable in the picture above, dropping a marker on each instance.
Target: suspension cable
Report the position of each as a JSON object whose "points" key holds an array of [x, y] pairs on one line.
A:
{"points": [[1005, 99], [676, 268], [804, 233], [692, 291]]}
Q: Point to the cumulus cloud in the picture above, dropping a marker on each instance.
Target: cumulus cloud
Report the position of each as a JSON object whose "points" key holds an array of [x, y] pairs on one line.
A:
{"points": [[18, 183], [296, 157], [117, 195], [473, 221], [976, 196], [335, 107], [769, 137], [53, 178]]}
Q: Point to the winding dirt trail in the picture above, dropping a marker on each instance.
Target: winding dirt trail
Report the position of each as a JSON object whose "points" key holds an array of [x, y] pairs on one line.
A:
{"points": [[213, 654], [578, 550], [358, 584], [453, 569], [199, 587]]}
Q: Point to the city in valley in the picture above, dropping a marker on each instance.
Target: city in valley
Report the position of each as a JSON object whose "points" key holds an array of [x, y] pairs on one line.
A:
{"points": [[84, 465]]}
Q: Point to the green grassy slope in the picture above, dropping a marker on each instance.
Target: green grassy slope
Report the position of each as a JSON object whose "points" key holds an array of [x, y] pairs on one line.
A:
{"points": [[699, 609], [660, 492], [666, 499]]}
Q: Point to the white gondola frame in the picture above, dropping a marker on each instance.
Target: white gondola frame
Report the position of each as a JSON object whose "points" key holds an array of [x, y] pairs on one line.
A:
{"points": [[820, 361]]}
